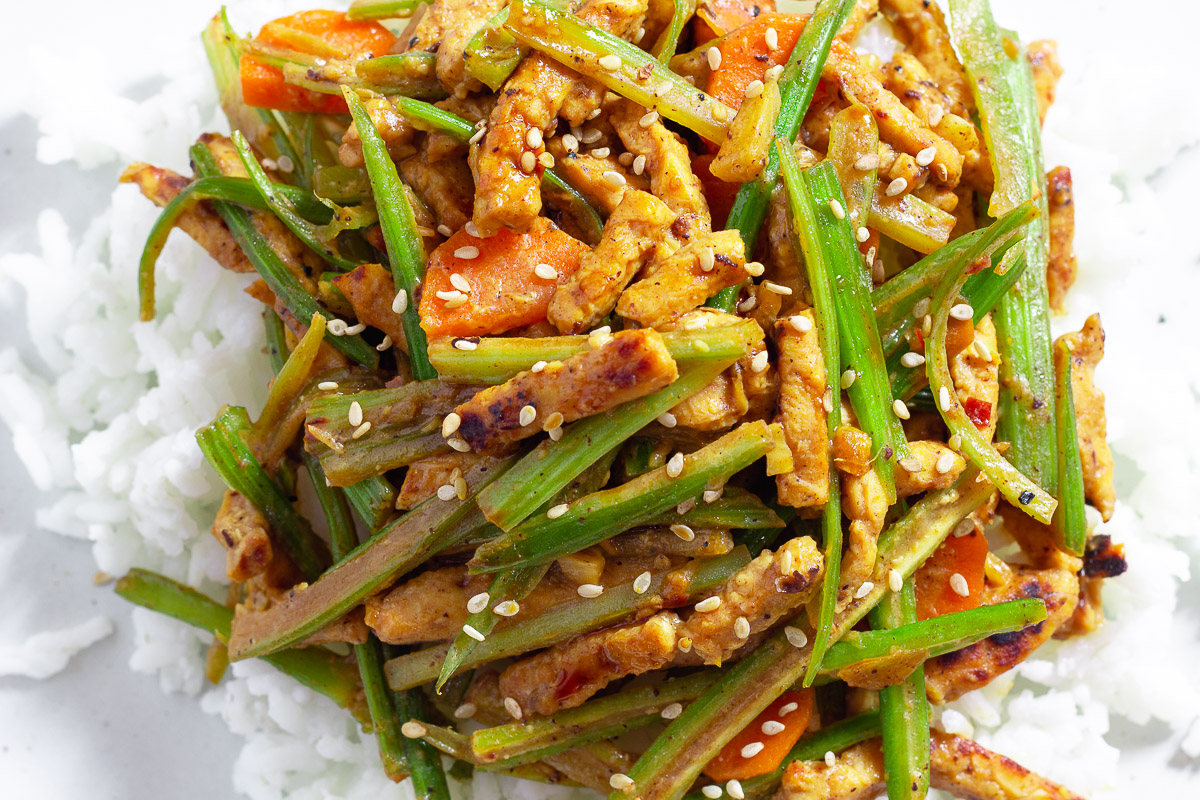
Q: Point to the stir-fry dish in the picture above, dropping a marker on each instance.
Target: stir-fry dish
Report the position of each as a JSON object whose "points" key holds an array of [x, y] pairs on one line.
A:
{"points": [[664, 396]]}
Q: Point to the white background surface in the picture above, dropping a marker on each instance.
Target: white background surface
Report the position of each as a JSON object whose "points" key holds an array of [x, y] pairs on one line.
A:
{"points": [[100, 731]]}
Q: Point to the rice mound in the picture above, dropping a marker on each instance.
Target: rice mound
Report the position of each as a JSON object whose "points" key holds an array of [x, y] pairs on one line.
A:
{"points": [[109, 428]]}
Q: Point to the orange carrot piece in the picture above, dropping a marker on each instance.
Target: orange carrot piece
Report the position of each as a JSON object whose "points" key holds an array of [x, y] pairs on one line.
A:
{"points": [[717, 17], [327, 34], [745, 56], [730, 763], [965, 555], [504, 291]]}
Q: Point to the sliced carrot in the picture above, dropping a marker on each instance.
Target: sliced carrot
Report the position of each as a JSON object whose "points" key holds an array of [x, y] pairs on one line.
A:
{"points": [[964, 555], [720, 194], [717, 17], [504, 291], [745, 56], [730, 763], [327, 34]]}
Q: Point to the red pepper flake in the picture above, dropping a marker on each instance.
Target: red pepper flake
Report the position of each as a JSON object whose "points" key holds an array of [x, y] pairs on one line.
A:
{"points": [[978, 411]]}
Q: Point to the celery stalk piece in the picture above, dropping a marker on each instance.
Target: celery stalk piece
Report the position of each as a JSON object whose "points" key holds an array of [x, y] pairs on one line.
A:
{"points": [[597, 516], [291, 380], [268, 265], [429, 528], [668, 42], [496, 359], [564, 621], [552, 465], [852, 135], [910, 221], [317, 668], [1070, 523], [406, 252], [382, 9], [673, 761], [373, 499], [796, 87], [424, 760], [493, 53], [736, 509], [569, 40]]}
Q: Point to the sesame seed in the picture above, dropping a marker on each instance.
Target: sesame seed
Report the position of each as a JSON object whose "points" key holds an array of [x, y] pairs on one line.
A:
{"points": [[450, 423], [734, 788], [546, 160], [959, 584], [862, 234], [478, 602], [557, 511], [591, 136], [926, 325], [774, 72], [460, 487], [528, 162], [796, 638], [466, 252], [771, 286], [720, 112], [772, 727], [459, 445], [962, 311], [830, 758], [637, 37], [570, 143], [355, 329], [355, 414], [752, 749], [864, 590], [944, 398], [836, 208], [910, 464], [385, 344], [610, 62], [685, 506], [827, 401], [455, 300], [513, 708], [613, 178], [945, 463], [911, 359], [590, 590], [625, 159], [709, 604], [555, 434], [639, 165], [755, 268], [800, 323], [748, 304], [459, 282], [534, 137], [760, 362], [508, 608], [444, 230], [963, 528], [672, 711], [714, 58], [895, 580], [662, 88], [867, 162], [754, 89], [465, 344], [675, 466], [896, 187], [641, 583], [413, 729], [683, 531], [285, 164], [400, 302], [473, 632], [741, 628], [712, 791], [900, 409], [712, 495], [621, 782], [648, 119], [545, 272], [327, 386], [528, 415], [981, 349], [600, 152], [667, 419], [447, 493], [555, 420], [771, 37], [538, 366], [684, 644], [954, 442], [935, 115], [708, 259], [465, 711], [926, 156], [361, 431], [785, 562], [475, 137], [787, 708], [848, 378], [337, 327]]}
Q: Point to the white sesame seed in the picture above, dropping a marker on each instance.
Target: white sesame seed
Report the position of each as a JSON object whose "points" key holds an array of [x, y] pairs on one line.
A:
{"points": [[900, 409], [528, 415], [945, 463], [473, 632], [459, 445], [864, 590], [709, 604], [444, 230], [788, 708], [672, 711], [327, 386], [720, 112], [771, 37], [555, 434], [867, 162], [836, 208], [708, 259], [755, 268], [772, 727], [962, 311], [754, 89], [827, 401], [895, 580], [639, 165], [337, 327], [712, 495], [478, 602], [734, 788], [546, 160], [610, 62], [675, 466], [862, 234], [662, 88], [557, 511], [613, 178], [467, 252], [752, 749], [712, 791], [667, 419], [714, 58], [355, 329], [528, 162], [741, 628], [935, 115], [641, 583], [760, 362], [910, 464], [361, 430], [911, 359], [545, 272], [447, 492], [601, 153], [452, 299], [748, 304], [981, 349], [771, 286], [684, 532], [648, 119], [355, 414], [534, 137], [465, 344], [785, 562], [591, 136], [508, 608], [538, 366], [450, 423], [959, 584], [830, 758], [896, 187], [475, 137], [459, 282], [385, 344], [590, 590], [944, 398], [413, 729], [513, 708], [621, 782], [848, 378], [774, 72], [400, 302], [570, 143], [685, 506], [465, 711], [926, 156], [800, 323], [954, 442], [964, 527]]}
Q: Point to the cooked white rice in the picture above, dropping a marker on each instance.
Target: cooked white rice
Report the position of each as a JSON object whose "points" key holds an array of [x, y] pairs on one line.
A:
{"points": [[103, 408]]}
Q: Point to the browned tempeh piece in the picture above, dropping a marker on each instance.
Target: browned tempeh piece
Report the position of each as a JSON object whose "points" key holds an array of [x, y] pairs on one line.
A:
{"points": [[1060, 271], [680, 282], [921, 24], [425, 476], [732, 395], [1043, 58], [975, 370], [585, 173], [1087, 348], [245, 534], [865, 504], [460, 22], [629, 365], [370, 290], [446, 187], [802, 386], [927, 476], [394, 129]]}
